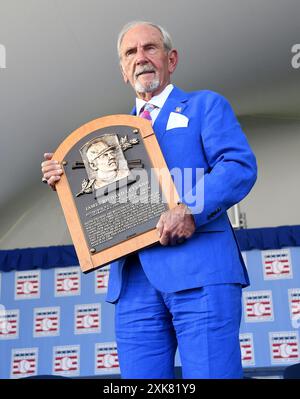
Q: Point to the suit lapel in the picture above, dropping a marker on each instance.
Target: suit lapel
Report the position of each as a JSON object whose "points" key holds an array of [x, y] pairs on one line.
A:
{"points": [[133, 111], [176, 102]]}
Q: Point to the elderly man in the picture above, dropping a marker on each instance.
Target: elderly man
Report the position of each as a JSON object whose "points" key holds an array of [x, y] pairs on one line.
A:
{"points": [[186, 291]]}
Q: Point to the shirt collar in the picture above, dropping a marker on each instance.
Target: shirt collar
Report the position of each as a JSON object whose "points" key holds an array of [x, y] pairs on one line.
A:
{"points": [[158, 100]]}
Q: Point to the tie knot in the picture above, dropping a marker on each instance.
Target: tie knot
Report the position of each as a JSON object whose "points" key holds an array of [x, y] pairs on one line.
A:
{"points": [[148, 107], [146, 110]]}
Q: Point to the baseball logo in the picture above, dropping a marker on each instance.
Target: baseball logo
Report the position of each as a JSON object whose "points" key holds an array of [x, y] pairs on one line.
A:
{"points": [[9, 324], [67, 281], [66, 360], [87, 318], [101, 279], [24, 362], [258, 306], [294, 305], [106, 358], [284, 347], [277, 264], [27, 285], [247, 349], [46, 322]]}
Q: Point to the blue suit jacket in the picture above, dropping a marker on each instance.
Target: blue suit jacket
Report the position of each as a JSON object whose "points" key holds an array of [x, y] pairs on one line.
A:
{"points": [[214, 141]]}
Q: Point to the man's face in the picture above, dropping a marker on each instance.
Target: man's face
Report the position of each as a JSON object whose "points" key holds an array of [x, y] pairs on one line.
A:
{"points": [[105, 162], [145, 63]]}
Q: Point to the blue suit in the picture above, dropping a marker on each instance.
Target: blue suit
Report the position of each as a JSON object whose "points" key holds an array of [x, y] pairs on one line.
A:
{"points": [[214, 141]]}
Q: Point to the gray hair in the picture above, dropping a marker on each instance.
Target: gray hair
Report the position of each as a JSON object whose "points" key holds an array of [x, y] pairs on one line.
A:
{"points": [[167, 40]]}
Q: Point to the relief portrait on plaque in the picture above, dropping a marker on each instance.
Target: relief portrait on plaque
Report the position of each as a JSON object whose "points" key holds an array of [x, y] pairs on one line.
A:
{"points": [[104, 161]]}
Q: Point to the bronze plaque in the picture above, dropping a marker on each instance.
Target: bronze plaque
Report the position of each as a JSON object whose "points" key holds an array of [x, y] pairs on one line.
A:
{"points": [[114, 188]]}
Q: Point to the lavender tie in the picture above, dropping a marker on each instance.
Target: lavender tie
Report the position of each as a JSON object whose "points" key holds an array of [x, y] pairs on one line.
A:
{"points": [[146, 110]]}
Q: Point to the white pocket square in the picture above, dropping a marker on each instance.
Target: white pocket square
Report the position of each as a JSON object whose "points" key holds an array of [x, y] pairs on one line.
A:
{"points": [[177, 120]]}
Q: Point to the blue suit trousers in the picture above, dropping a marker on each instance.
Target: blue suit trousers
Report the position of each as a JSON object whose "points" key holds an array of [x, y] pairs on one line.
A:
{"points": [[202, 322]]}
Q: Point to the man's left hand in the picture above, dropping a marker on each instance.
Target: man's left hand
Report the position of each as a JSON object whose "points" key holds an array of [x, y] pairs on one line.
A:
{"points": [[176, 225]]}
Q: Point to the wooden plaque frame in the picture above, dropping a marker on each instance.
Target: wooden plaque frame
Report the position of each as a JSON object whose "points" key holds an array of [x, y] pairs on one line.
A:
{"points": [[89, 261]]}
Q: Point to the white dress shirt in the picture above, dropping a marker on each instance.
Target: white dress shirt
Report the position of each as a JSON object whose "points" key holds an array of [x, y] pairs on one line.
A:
{"points": [[158, 101]]}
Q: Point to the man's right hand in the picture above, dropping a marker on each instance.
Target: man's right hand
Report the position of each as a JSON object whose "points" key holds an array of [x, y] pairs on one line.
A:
{"points": [[51, 170]]}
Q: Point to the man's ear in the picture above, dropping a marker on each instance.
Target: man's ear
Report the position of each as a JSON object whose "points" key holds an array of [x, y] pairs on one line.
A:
{"points": [[93, 166], [172, 60], [125, 78]]}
